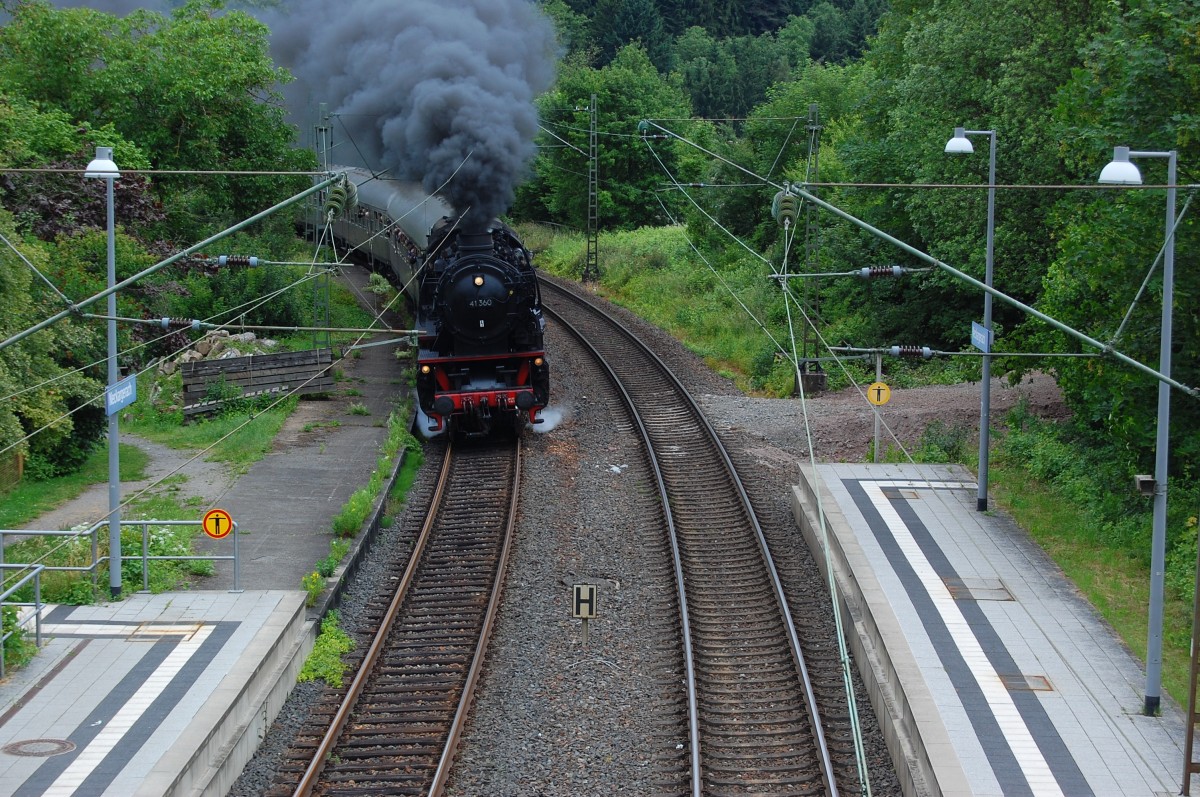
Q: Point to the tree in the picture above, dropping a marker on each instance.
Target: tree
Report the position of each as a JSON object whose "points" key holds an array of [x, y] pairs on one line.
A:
{"points": [[628, 90], [728, 77], [40, 398], [986, 66], [1139, 86], [621, 22], [196, 91]]}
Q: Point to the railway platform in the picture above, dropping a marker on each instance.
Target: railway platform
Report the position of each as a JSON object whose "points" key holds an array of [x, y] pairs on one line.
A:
{"points": [[156, 695], [988, 670]]}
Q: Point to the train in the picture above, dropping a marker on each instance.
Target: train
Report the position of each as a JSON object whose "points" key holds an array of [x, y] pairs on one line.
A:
{"points": [[481, 363]]}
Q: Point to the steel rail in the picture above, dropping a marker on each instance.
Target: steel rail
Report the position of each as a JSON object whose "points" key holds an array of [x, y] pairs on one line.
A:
{"points": [[442, 775], [826, 764], [329, 741], [680, 586]]}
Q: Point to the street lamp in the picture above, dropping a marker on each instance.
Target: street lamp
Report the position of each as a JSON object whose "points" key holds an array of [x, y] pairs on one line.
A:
{"points": [[1122, 172], [961, 145], [102, 167]]}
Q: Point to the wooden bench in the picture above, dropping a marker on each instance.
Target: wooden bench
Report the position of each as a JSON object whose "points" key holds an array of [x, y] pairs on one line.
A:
{"points": [[254, 376]]}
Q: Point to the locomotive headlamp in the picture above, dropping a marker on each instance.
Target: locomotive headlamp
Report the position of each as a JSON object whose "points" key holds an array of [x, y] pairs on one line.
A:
{"points": [[425, 369], [478, 281], [538, 361]]}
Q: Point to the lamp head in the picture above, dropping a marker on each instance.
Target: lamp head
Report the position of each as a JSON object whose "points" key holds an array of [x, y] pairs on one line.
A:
{"points": [[960, 144], [1121, 171], [102, 165]]}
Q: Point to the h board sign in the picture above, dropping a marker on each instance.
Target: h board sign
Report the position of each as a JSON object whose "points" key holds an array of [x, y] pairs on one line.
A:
{"points": [[584, 603]]}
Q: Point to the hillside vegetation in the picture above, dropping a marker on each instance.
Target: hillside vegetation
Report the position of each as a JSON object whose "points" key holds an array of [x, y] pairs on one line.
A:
{"points": [[700, 114]]}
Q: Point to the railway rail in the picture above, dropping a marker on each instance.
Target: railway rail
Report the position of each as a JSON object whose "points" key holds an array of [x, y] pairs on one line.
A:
{"points": [[397, 725], [754, 720]]}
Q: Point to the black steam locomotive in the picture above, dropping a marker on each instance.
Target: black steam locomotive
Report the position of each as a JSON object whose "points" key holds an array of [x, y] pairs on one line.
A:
{"points": [[481, 364]]}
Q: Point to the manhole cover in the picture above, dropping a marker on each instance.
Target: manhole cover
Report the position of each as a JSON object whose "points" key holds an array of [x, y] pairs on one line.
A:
{"points": [[39, 748]]}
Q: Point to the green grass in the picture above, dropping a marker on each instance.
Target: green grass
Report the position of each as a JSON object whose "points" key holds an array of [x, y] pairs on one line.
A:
{"points": [[76, 588], [27, 500], [325, 662], [1114, 581], [243, 448]]}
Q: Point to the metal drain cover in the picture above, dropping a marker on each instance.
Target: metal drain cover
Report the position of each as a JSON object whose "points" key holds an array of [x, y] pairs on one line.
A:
{"points": [[39, 748]]}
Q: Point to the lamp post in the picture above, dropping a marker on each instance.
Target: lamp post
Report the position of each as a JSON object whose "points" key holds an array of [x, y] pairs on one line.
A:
{"points": [[1122, 172], [103, 167], [961, 145]]}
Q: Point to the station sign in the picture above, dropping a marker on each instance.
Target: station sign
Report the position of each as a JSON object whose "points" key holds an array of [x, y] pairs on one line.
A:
{"points": [[981, 337], [121, 394]]}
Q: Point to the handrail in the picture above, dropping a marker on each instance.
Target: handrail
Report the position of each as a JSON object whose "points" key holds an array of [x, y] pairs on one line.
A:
{"points": [[36, 604]]}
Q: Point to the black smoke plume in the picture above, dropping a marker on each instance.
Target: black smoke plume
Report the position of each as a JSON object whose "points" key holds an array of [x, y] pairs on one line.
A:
{"points": [[438, 91]]}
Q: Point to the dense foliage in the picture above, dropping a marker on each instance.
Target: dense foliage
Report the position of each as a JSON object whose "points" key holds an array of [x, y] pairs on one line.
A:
{"points": [[1059, 86], [195, 91], [702, 111], [790, 94]]}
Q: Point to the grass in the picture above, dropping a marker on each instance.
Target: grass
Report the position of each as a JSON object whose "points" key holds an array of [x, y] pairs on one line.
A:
{"points": [[325, 662], [1116, 583], [29, 499], [253, 433], [76, 587]]}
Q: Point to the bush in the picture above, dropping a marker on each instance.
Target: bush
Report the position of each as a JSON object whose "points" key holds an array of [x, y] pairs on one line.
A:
{"points": [[18, 649], [325, 661], [337, 551], [314, 585]]}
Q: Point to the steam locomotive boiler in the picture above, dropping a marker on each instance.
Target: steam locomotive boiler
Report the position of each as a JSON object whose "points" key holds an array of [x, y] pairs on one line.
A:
{"points": [[481, 363]]}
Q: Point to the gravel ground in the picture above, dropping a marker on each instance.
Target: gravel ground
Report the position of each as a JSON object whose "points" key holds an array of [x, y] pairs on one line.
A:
{"points": [[557, 716]]}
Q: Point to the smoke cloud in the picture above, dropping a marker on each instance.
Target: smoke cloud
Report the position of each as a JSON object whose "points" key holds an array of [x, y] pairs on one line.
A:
{"points": [[437, 92]]}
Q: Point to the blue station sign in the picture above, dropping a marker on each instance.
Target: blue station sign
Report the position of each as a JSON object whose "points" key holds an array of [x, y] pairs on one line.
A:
{"points": [[121, 395], [981, 337]]}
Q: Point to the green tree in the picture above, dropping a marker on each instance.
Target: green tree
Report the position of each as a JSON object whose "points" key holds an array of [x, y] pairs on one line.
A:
{"points": [[40, 397], [1140, 87], [621, 22], [627, 90], [196, 91], [984, 66]]}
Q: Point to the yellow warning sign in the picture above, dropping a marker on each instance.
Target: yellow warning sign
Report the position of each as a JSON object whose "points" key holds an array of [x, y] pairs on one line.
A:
{"points": [[878, 393], [217, 523]]}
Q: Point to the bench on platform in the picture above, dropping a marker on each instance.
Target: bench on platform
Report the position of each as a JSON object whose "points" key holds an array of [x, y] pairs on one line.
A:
{"points": [[209, 384]]}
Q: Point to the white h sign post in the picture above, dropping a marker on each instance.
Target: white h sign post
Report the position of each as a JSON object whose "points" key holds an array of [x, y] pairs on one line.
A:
{"points": [[583, 605]]}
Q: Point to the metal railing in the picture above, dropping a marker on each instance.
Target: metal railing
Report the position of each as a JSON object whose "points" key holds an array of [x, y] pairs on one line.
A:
{"points": [[96, 560], [35, 569], [23, 618]]}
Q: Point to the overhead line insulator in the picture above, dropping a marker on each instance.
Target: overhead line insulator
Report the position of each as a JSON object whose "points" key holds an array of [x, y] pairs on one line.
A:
{"points": [[881, 271], [912, 351]]}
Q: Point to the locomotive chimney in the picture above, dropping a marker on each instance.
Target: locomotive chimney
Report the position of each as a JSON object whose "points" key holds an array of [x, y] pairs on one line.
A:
{"points": [[477, 240]]}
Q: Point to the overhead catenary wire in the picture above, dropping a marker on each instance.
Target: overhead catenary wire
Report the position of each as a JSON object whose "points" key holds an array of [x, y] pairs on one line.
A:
{"points": [[170, 260], [1150, 273], [77, 308], [35, 270], [238, 310]]}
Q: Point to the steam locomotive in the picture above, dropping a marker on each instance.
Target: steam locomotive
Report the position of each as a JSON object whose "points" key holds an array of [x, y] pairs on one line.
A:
{"points": [[481, 363]]}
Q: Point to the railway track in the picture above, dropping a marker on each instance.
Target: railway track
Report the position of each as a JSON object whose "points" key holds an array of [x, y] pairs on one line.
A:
{"points": [[395, 728], [754, 720]]}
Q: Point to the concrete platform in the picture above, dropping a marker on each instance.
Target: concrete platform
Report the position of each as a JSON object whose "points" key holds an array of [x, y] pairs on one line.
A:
{"points": [[154, 695], [995, 675]]}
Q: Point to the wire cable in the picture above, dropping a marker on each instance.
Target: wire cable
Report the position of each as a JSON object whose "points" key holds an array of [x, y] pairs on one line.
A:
{"points": [[34, 268]]}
